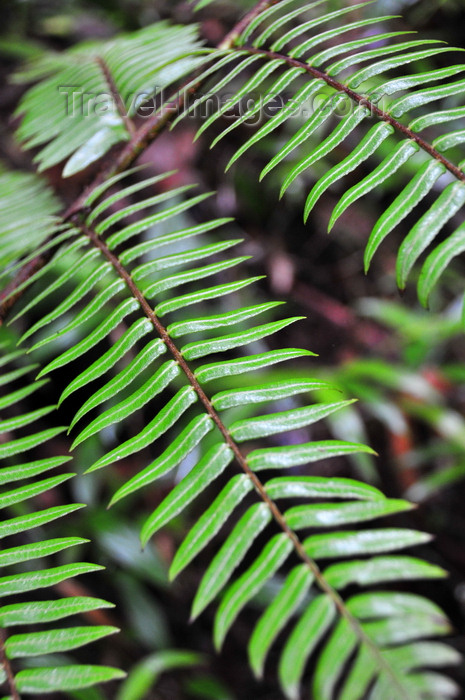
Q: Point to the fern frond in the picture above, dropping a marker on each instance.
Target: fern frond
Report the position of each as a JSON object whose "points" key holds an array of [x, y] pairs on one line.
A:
{"points": [[23, 528], [87, 98], [144, 675], [211, 428], [37, 224], [344, 88]]}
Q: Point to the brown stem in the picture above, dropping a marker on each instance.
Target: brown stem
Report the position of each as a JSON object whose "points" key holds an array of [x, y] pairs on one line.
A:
{"points": [[240, 459], [361, 100], [5, 662], [231, 38], [120, 106]]}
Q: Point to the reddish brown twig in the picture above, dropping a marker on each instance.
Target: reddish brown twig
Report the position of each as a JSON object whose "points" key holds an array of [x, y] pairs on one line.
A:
{"points": [[231, 38], [120, 106], [5, 662]]}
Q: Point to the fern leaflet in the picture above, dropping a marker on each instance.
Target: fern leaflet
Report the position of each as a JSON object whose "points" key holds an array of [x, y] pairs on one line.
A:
{"points": [[23, 529]]}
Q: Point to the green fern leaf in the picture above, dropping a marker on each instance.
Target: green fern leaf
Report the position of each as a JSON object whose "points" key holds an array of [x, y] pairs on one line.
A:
{"points": [[322, 87], [311, 627], [87, 98], [211, 521], [19, 555], [38, 681], [37, 224], [205, 428], [249, 584]]}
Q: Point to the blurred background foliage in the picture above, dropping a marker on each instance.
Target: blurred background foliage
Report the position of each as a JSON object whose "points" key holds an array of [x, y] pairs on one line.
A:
{"points": [[404, 364]]}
